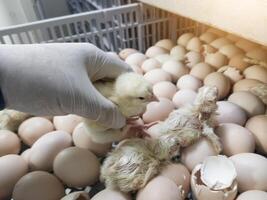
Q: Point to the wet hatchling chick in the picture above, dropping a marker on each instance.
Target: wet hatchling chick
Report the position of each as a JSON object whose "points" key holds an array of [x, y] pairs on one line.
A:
{"points": [[131, 93]]}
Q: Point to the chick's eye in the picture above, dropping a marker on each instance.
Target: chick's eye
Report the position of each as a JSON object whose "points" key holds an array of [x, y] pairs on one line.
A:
{"points": [[141, 98]]}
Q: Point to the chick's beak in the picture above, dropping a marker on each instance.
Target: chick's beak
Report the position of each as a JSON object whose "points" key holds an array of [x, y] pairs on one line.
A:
{"points": [[153, 98]]}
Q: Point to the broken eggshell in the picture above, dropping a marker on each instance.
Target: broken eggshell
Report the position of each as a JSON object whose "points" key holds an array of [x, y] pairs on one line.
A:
{"points": [[184, 39], [232, 73], [192, 58]]}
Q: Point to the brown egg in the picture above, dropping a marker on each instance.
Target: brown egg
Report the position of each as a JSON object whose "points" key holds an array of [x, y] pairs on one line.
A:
{"points": [[179, 174], [136, 59], [38, 185], [216, 60], [196, 153], [155, 51], [107, 194], [81, 195], [164, 187], [258, 126], [76, 167], [245, 84], [184, 97], [220, 81], [253, 195], [228, 112], [249, 102], [251, 171], [194, 44], [208, 37], [165, 43], [184, 39], [82, 139], [175, 68], [246, 45], [33, 128], [230, 50], [157, 75], [192, 58], [189, 82], [238, 62], [220, 42], [67, 122], [126, 52], [178, 52], [235, 139], [45, 149], [256, 72], [201, 70], [12, 168], [164, 89], [9, 143], [150, 64]]}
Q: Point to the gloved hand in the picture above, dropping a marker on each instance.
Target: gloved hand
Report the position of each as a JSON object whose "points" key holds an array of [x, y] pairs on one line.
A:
{"points": [[56, 79]]}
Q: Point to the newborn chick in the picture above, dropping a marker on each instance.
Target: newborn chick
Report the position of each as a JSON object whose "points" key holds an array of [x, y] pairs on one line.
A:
{"points": [[131, 93]]}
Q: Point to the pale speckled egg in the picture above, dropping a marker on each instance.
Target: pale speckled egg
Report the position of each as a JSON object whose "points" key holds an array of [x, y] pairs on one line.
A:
{"points": [[45, 149], [189, 82], [196, 153], [108, 194], [157, 75], [184, 97], [38, 185], [155, 51], [220, 42], [201, 70], [67, 122], [179, 174], [245, 84], [178, 52], [208, 37], [164, 89], [175, 68], [33, 128], [165, 43], [136, 59], [158, 111], [228, 112], [238, 62], [9, 143], [253, 195], [251, 171], [235, 139], [166, 189], [248, 101], [12, 168], [126, 52], [150, 64], [258, 126], [256, 72], [184, 39], [81, 195], [76, 167]]}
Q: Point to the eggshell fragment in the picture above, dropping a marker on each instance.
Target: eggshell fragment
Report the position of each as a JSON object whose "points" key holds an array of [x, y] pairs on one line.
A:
{"points": [[76, 196], [38, 185], [155, 51], [249, 102], [164, 89], [178, 52], [201, 70], [126, 52], [166, 189], [256, 72], [189, 82], [207, 49], [232, 73], [184, 97], [235, 139], [107, 194], [245, 84], [251, 171], [230, 50], [194, 44], [246, 45], [216, 60], [220, 42], [258, 126], [67, 122], [9, 143], [76, 167], [192, 58], [238, 62], [12, 168], [33, 128], [150, 64], [208, 37], [165, 43], [253, 195], [184, 39], [157, 75], [45, 149], [175, 68], [135, 59]]}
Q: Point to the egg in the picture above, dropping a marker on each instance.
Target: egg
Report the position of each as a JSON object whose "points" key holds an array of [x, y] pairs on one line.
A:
{"points": [[137, 69], [33, 128], [253, 195], [257, 54], [165, 57], [164, 89], [220, 81], [237, 61], [245, 84], [76, 167], [233, 134], [207, 49], [208, 37], [157, 75], [251, 171], [165, 43], [26, 155], [12, 168], [246, 45], [232, 73], [192, 58], [228, 112], [220, 42], [108, 194], [194, 44], [184, 97], [158, 111], [249, 102], [201, 70], [189, 82], [45, 149], [155, 131], [217, 32], [184, 39], [232, 37], [67, 122], [216, 60], [82, 139], [123, 54], [166, 189], [175, 68], [155, 51], [196, 153], [150, 64], [258, 126], [230, 50], [9, 143], [256, 72], [38, 185], [178, 52], [179, 174], [135, 59], [81, 195]]}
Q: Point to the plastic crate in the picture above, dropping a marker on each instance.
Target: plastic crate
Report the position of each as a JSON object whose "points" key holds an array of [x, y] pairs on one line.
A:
{"points": [[129, 26]]}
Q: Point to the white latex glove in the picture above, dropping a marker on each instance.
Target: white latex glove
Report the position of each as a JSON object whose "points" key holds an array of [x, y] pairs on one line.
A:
{"points": [[56, 79]]}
